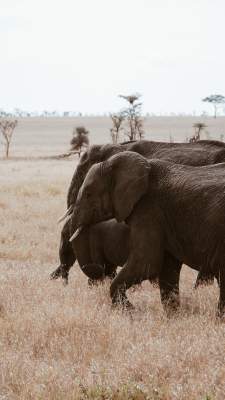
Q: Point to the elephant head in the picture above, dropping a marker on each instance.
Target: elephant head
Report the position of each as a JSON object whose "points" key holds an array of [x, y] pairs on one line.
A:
{"points": [[93, 155], [111, 189]]}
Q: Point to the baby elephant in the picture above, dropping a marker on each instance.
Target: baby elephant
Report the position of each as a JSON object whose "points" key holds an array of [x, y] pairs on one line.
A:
{"points": [[99, 250]]}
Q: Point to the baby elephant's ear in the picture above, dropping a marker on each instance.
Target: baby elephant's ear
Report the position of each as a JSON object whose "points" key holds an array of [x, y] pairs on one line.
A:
{"points": [[130, 176]]}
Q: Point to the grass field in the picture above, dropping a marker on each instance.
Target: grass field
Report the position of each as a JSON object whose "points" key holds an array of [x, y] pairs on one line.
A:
{"points": [[47, 136], [66, 342]]}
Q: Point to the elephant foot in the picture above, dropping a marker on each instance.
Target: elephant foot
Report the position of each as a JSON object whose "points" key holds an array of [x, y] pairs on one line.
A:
{"points": [[128, 306], [60, 272], [121, 300], [111, 276], [154, 282], [99, 281], [65, 281], [123, 305], [220, 316], [203, 282], [204, 279], [65, 277], [56, 274]]}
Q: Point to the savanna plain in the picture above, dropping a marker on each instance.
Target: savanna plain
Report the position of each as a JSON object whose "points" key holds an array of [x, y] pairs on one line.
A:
{"points": [[67, 343]]}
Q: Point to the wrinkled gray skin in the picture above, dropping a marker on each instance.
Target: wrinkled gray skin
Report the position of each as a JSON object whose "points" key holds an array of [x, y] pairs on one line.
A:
{"points": [[203, 152], [179, 210], [99, 249]]}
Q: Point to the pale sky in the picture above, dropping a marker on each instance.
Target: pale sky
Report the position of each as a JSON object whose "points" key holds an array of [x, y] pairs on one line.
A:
{"points": [[80, 54]]}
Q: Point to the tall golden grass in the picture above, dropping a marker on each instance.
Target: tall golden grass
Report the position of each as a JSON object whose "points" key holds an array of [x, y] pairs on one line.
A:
{"points": [[67, 343]]}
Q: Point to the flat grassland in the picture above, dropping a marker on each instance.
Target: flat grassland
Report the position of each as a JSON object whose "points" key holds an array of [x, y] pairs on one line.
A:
{"points": [[66, 342], [47, 136]]}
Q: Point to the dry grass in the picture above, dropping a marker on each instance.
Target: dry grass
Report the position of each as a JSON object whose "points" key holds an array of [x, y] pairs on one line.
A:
{"points": [[67, 343]]}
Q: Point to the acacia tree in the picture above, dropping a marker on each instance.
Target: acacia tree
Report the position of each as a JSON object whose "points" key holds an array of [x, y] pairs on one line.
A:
{"points": [[7, 127], [132, 114], [138, 124], [80, 139], [198, 127], [216, 100], [117, 120]]}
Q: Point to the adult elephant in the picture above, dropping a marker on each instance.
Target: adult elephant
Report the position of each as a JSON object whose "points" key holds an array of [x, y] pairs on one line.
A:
{"points": [[179, 209], [203, 152]]}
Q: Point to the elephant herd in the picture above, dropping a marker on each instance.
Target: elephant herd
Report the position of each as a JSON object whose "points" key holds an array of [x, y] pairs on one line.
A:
{"points": [[147, 207]]}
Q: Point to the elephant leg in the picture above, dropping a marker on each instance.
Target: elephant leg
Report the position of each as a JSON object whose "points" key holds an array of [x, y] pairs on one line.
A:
{"points": [[221, 304], [65, 273], [67, 256], [204, 278], [143, 263], [110, 271], [61, 271], [98, 257], [169, 283], [154, 281], [146, 244], [56, 273], [123, 281]]}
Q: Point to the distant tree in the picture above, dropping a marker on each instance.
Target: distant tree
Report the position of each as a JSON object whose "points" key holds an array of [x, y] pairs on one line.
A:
{"points": [[5, 114], [18, 112], [198, 127], [7, 127], [80, 139], [117, 120], [216, 100], [138, 125], [132, 115]]}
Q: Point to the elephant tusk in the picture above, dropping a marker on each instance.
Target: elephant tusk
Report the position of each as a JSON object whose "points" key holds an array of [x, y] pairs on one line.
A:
{"points": [[68, 211], [68, 218], [76, 233]]}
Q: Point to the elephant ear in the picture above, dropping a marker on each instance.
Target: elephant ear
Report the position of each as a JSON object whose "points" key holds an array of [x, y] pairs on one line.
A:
{"points": [[130, 175]]}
